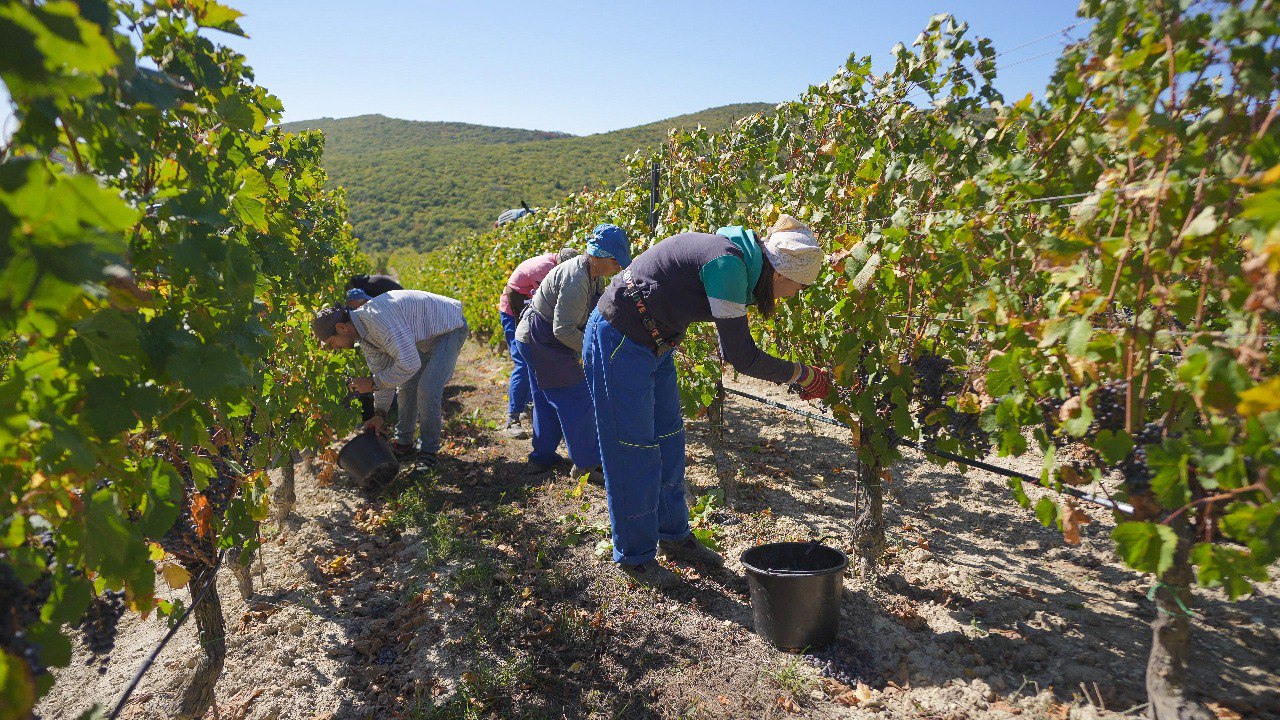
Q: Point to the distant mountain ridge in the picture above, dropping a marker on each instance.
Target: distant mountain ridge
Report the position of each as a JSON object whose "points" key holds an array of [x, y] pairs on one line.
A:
{"points": [[374, 133], [424, 184]]}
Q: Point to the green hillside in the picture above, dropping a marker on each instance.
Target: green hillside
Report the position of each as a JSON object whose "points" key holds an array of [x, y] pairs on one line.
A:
{"points": [[424, 184]]}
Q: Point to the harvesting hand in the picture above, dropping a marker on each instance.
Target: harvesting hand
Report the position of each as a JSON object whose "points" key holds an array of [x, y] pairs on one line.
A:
{"points": [[813, 383], [361, 384], [374, 423]]}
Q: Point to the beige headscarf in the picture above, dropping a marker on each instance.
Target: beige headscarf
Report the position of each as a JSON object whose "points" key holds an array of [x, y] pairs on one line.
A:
{"points": [[793, 251]]}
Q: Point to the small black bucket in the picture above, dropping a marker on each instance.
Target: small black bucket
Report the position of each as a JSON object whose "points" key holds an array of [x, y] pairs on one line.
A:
{"points": [[368, 458], [796, 589]]}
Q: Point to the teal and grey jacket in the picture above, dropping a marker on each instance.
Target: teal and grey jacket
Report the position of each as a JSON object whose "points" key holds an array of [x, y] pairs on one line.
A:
{"points": [[698, 277]]}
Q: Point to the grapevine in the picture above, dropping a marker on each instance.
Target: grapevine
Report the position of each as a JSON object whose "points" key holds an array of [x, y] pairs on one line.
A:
{"points": [[1098, 268], [165, 247]]}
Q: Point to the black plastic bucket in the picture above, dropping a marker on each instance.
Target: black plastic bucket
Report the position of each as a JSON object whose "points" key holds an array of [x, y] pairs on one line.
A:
{"points": [[796, 588], [368, 459]]}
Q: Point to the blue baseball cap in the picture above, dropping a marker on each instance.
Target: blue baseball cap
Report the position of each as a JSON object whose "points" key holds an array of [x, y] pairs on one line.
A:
{"points": [[610, 241], [357, 294]]}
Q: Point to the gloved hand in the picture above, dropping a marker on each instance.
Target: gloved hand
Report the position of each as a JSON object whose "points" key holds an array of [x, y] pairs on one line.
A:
{"points": [[813, 384]]}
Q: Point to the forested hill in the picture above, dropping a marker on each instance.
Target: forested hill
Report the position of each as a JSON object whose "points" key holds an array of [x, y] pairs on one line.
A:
{"points": [[425, 184]]}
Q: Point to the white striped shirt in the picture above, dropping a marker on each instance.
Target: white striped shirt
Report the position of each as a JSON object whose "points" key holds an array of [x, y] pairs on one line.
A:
{"points": [[394, 327]]}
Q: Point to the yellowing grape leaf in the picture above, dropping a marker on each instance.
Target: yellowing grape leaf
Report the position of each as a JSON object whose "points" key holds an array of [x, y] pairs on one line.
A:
{"points": [[1261, 398], [175, 575]]}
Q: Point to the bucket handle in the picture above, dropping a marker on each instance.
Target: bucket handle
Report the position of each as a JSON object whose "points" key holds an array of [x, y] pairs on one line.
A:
{"points": [[815, 542]]}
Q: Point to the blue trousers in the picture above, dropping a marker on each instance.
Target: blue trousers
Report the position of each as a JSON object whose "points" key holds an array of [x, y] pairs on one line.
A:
{"points": [[519, 389], [562, 413], [421, 395], [641, 440]]}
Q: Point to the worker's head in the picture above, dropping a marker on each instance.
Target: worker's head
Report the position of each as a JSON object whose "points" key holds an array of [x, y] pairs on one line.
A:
{"points": [[356, 298], [794, 254], [334, 329], [608, 250], [566, 254]]}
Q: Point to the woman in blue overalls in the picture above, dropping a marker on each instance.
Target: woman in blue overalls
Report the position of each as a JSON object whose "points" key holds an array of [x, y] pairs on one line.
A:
{"points": [[687, 278], [549, 340]]}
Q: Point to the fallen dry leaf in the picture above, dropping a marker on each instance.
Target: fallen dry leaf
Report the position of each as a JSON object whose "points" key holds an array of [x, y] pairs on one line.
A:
{"points": [[1072, 518], [1006, 707], [848, 698], [862, 692], [787, 703], [1222, 712]]}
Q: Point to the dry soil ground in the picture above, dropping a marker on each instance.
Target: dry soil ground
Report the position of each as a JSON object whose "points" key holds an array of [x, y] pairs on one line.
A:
{"points": [[475, 591]]}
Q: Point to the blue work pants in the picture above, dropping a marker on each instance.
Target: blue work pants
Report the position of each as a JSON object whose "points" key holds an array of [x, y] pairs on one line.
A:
{"points": [[421, 395], [562, 413], [642, 440], [519, 389]]}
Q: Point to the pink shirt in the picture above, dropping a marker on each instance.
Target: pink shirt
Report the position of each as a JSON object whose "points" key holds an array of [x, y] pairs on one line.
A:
{"points": [[526, 278]]}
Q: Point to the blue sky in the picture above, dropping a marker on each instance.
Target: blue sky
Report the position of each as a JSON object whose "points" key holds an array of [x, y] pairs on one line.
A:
{"points": [[590, 66]]}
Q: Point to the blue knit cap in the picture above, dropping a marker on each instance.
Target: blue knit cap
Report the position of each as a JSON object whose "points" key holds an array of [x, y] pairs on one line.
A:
{"points": [[610, 241]]}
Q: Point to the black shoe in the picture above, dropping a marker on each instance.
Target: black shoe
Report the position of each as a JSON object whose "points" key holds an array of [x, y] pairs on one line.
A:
{"points": [[595, 475], [425, 461], [404, 452], [539, 468], [651, 574], [690, 550], [534, 468]]}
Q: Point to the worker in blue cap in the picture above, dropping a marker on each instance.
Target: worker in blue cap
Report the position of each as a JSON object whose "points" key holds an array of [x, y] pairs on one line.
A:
{"points": [[549, 339], [356, 298]]}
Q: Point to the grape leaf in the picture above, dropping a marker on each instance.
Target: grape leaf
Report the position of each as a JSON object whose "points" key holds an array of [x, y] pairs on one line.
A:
{"points": [[1146, 547], [113, 340], [1046, 512]]}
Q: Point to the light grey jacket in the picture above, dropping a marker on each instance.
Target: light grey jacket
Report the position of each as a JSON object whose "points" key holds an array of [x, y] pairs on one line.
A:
{"points": [[564, 299]]}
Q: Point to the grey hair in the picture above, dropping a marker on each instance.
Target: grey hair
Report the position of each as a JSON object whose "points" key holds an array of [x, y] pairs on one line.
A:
{"points": [[566, 254]]}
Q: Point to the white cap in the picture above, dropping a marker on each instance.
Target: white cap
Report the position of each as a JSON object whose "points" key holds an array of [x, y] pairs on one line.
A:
{"points": [[793, 251]]}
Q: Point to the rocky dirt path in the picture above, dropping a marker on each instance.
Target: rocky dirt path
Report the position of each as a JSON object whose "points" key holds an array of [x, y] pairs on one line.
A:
{"points": [[476, 591]]}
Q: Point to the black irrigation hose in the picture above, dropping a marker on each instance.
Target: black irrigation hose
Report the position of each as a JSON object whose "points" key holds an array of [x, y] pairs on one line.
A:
{"points": [[1119, 507], [146, 665]]}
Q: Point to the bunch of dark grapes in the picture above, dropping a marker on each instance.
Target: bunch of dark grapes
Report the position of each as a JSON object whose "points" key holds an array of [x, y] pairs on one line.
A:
{"points": [[98, 625], [933, 378], [19, 608], [967, 429], [934, 381], [1148, 434], [1137, 475], [221, 489], [841, 661], [1108, 403], [1050, 407], [184, 541]]}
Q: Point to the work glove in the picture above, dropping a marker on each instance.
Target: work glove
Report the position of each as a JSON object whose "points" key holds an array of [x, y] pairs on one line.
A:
{"points": [[813, 384]]}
